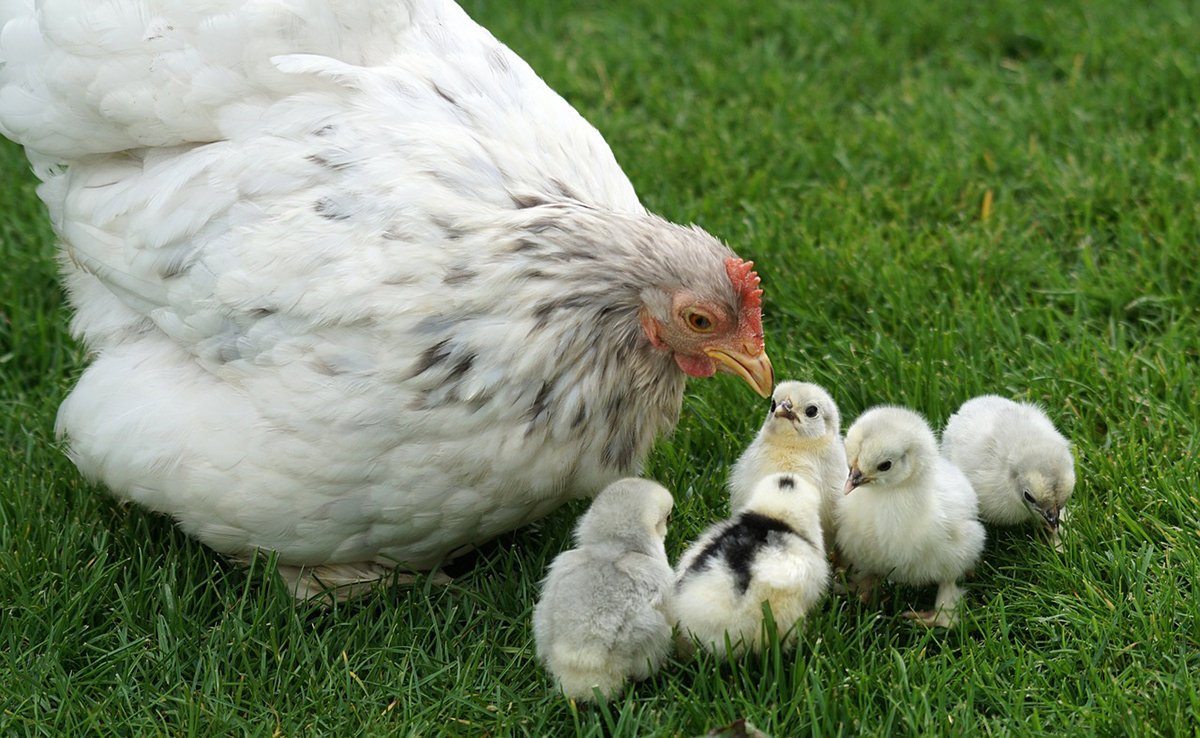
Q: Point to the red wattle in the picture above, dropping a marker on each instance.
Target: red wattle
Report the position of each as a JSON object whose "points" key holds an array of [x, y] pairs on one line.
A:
{"points": [[696, 366]]}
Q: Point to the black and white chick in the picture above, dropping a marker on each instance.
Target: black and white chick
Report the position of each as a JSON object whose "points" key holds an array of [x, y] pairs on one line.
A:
{"points": [[771, 551], [908, 514], [1018, 462], [601, 618], [802, 434]]}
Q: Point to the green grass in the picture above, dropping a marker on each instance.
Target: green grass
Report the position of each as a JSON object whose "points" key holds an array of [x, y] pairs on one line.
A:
{"points": [[848, 148]]}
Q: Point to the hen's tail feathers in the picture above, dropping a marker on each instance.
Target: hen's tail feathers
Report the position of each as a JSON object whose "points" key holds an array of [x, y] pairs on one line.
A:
{"points": [[79, 77]]}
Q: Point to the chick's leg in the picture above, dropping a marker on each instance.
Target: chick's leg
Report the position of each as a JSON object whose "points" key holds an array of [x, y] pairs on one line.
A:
{"points": [[839, 566], [945, 610], [862, 583], [1051, 536]]}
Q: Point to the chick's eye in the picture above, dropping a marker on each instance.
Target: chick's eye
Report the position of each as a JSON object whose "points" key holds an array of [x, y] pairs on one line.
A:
{"points": [[811, 411], [884, 466], [1029, 497], [699, 321], [773, 404]]}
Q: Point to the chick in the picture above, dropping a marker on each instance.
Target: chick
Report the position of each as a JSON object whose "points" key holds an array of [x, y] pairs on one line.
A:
{"points": [[802, 434], [600, 620], [907, 514], [1020, 466], [771, 551]]}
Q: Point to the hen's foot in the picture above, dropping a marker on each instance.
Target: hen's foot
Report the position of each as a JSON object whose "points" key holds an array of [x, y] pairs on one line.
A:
{"points": [[331, 583]]}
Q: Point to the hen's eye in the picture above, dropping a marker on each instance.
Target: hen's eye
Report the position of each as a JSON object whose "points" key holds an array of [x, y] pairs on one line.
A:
{"points": [[884, 466], [1029, 497], [699, 321], [811, 411]]}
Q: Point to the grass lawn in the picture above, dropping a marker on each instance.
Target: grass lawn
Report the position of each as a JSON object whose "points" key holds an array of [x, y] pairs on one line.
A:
{"points": [[943, 198]]}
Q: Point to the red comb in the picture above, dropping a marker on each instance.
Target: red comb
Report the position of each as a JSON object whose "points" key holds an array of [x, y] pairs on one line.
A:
{"points": [[745, 283]]}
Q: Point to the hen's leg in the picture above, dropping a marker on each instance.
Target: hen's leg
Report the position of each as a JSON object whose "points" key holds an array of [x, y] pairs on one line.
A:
{"points": [[328, 583]]}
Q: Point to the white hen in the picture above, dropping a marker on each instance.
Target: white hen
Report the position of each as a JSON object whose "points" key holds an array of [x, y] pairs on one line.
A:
{"points": [[1020, 465], [802, 435], [359, 288], [602, 616], [908, 514], [769, 552]]}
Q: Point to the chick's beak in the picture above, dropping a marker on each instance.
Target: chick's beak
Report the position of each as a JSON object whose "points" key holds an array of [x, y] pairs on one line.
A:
{"points": [[749, 364], [854, 480], [1051, 518], [785, 410]]}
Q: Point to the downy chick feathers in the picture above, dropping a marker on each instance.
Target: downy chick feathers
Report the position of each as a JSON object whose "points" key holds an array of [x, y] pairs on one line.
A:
{"points": [[600, 620], [908, 514], [1020, 466], [801, 435], [769, 552]]}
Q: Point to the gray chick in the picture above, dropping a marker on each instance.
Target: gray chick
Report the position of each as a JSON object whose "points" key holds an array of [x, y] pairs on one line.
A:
{"points": [[600, 620], [1020, 466]]}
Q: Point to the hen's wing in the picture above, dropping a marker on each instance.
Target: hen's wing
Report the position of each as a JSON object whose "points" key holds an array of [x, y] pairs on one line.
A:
{"points": [[224, 135], [82, 78], [274, 216]]}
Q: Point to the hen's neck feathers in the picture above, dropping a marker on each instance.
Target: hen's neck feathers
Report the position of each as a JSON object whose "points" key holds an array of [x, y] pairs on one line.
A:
{"points": [[574, 278]]}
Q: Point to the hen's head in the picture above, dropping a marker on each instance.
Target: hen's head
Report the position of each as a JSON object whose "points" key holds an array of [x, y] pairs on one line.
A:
{"points": [[713, 327]]}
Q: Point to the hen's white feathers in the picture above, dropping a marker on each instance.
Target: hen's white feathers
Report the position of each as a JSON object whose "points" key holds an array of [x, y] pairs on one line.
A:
{"points": [[321, 253], [82, 78], [600, 619]]}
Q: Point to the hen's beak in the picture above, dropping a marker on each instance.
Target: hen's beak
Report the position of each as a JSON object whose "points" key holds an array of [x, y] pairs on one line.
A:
{"points": [[754, 368]]}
